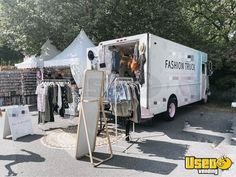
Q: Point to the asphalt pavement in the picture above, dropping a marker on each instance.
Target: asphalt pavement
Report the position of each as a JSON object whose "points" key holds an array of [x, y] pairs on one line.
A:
{"points": [[156, 149]]}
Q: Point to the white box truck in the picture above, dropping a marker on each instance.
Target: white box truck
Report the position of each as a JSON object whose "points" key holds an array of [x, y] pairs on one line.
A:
{"points": [[175, 75]]}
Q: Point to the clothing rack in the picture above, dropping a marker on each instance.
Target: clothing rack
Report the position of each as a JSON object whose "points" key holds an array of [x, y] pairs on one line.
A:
{"points": [[61, 110], [130, 79], [117, 79], [55, 80]]}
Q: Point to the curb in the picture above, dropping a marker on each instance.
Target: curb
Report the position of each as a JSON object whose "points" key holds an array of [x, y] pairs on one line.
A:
{"points": [[233, 139]]}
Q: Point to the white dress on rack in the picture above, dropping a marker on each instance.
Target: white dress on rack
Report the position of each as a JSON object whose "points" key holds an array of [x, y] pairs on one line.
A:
{"points": [[73, 107]]}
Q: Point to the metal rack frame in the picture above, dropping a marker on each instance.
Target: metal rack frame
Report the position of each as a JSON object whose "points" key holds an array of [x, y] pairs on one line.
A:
{"points": [[55, 80]]}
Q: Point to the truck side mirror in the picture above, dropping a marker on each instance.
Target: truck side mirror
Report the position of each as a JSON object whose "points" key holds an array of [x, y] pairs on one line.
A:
{"points": [[209, 70], [91, 55]]}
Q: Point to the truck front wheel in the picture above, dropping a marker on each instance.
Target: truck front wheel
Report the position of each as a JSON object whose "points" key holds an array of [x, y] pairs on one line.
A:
{"points": [[171, 109]]}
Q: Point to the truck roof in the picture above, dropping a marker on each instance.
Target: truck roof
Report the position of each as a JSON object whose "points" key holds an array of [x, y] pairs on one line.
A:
{"points": [[137, 37], [123, 39]]}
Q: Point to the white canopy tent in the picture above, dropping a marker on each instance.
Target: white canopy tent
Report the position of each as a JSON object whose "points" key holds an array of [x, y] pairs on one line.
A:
{"points": [[74, 54], [48, 51], [29, 62]]}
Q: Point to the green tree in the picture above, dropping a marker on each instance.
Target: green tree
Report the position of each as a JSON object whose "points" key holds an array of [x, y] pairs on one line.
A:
{"points": [[215, 21], [9, 56], [117, 18], [27, 24]]}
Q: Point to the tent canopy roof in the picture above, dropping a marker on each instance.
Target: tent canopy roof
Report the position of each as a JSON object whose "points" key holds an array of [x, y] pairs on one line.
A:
{"points": [[29, 62], [75, 53], [48, 51]]}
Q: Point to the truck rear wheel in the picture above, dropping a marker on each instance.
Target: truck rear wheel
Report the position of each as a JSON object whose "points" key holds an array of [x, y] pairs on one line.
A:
{"points": [[171, 109]]}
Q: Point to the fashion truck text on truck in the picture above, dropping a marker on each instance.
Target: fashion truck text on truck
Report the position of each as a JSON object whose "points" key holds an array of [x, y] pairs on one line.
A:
{"points": [[172, 75], [179, 65]]}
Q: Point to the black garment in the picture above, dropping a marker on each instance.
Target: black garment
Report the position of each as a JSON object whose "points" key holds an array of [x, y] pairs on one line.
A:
{"points": [[127, 129], [136, 51], [137, 91], [69, 94], [64, 102], [55, 94], [66, 95], [50, 100], [47, 116], [62, 111], [115, 61], [41, 116], [55, 98], [141, 77]]}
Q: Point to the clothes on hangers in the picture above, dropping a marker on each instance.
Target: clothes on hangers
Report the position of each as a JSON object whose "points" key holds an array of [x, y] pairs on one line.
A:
{"points": [[50, 102], [59, 98], [66, 96], [123, 109], [115, 60], [140, 73], [52, 97], [124, 97], [43, 104], [118, 92], [136, 117], [41, 92], [73, 107]]}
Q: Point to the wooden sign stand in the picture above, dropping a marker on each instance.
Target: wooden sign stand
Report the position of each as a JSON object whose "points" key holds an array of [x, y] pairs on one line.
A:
{"points": [[88, 119], [107, 136], [17, 122]]}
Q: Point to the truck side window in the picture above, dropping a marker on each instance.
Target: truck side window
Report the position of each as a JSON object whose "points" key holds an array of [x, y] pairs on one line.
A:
{"points": [[203, 69]]}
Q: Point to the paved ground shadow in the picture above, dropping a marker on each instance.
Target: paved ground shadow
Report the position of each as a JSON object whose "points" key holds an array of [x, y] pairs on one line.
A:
{"points": [[29, 138], [20, 158], [138, 164], [163, 149], [213, 121], [197, 115]]}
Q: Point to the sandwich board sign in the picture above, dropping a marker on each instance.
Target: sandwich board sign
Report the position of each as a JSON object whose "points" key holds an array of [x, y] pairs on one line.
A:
{"points": [[17, 122]]}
